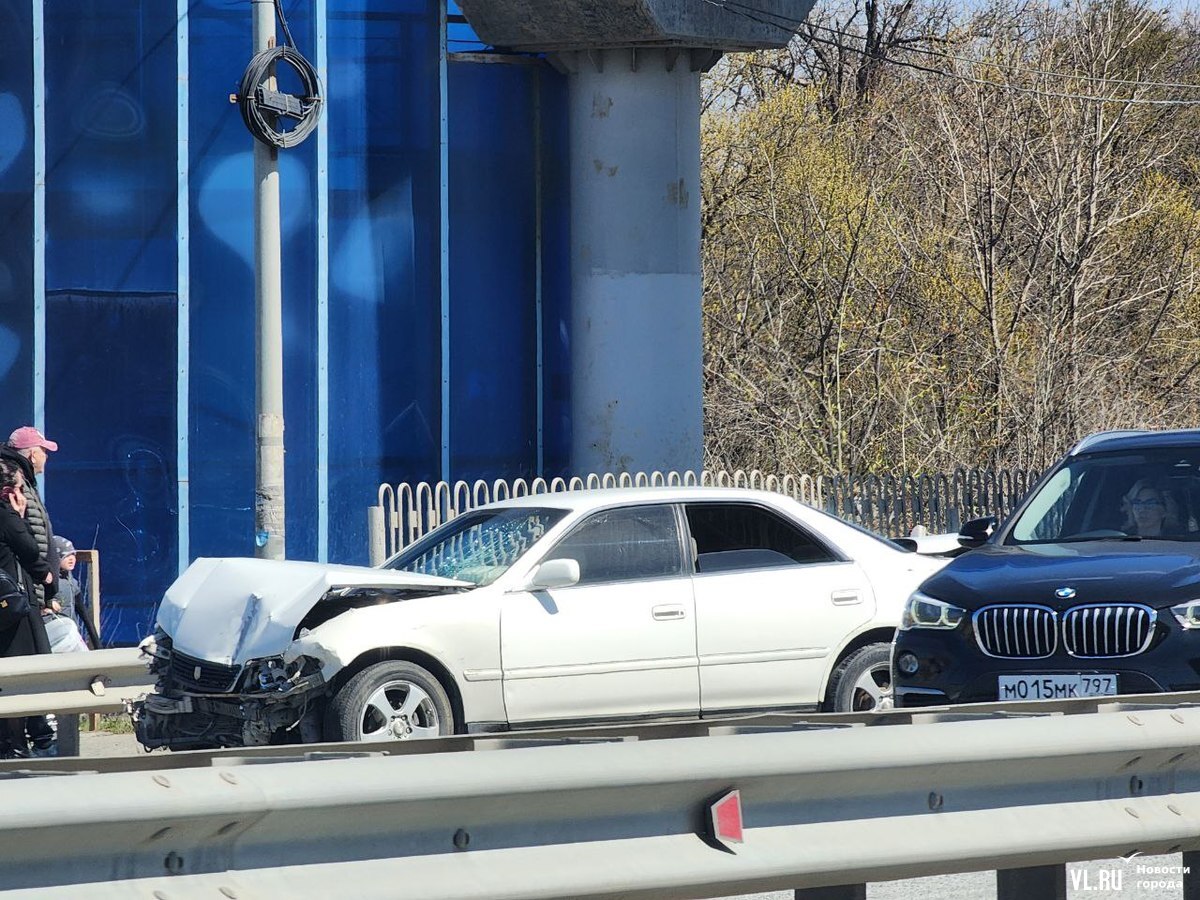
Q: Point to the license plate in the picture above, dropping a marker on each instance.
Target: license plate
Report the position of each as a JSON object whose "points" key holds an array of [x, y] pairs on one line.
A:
{"points": [[1055, 687]]}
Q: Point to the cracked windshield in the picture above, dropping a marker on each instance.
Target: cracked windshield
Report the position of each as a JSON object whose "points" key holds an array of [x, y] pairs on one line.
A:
{"points": [[478, 547]]}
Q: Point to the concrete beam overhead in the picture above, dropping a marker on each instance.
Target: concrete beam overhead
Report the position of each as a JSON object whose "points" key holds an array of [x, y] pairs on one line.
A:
{"points": [[559, 25]]}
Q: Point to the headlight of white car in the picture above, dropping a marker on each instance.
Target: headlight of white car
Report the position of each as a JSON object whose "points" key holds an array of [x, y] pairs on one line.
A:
{"points": [[1187, 615], [922, 611], [273, 674]]}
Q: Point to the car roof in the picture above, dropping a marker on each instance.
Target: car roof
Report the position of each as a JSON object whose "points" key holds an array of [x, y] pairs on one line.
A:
{"points": [[597, 498], [1106, 441]]}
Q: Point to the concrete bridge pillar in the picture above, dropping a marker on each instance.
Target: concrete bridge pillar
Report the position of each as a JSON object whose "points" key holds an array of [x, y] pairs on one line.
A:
{"points": [[635, 258], [634, 73]]}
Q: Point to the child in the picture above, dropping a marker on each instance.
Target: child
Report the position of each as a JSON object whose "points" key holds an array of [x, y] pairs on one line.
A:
{"points": [[60, 622]]}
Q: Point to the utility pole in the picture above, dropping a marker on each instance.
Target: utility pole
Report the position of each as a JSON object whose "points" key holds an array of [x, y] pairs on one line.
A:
{"points": [[270, 536]]}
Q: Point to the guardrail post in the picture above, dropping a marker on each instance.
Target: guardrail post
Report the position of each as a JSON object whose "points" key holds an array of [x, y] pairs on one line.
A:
{"points": [[68, 733], [1034, 883], [837, 892]]}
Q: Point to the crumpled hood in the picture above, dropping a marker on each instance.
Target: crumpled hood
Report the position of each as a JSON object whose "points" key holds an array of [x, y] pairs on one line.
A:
{"points": [[1157, 573], [232, 610]]}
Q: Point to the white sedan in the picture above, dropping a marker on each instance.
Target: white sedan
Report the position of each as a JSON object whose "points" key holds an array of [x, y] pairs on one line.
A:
{"points": [[568, 608]]}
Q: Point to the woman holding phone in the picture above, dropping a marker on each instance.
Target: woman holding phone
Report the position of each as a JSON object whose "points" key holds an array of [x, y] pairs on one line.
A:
{"points": [[21, 563]]}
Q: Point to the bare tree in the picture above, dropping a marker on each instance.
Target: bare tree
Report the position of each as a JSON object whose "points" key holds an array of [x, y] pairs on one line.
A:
{"points": [[996, 253]]}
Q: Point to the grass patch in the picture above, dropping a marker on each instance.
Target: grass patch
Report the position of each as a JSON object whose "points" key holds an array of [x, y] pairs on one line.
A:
{"points": [[113, 724]]}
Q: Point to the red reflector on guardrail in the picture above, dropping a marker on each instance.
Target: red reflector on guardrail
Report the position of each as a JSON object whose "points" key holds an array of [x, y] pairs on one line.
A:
{"points": [[725, 819]]}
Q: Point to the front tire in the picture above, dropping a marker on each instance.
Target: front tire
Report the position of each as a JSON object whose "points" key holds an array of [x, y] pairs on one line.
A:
{"points": [[389, 701], [862, 682]]}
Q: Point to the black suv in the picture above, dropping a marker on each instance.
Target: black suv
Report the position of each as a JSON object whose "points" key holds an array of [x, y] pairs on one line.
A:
{"points": [[1091, 587]]}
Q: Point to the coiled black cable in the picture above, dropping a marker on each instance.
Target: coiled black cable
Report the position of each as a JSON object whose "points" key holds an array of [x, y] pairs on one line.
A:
{"points": [[264, 109]]}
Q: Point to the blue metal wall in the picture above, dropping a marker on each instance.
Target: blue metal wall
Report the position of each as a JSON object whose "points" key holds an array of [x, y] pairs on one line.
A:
{"points": [[126, 291], [16, 210]]}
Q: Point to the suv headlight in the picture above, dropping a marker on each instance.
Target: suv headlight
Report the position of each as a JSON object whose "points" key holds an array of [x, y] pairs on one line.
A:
{"points": [[922, 611], [1187, 615]]}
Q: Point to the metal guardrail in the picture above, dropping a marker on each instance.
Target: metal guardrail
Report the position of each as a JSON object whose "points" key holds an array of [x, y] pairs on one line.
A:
{"points": [[666, 729], [98, 681], [888, 504], [620, 818]]}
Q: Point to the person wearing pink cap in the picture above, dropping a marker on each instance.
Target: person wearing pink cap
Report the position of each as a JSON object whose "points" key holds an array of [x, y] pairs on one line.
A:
{"points": [[28, 449]]}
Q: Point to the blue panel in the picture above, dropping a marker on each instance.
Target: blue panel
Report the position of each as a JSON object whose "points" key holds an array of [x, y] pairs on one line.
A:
{"points": [[493, 280], [384, 225], [556, 275], [16, 212], [111, 408], [300, 316], [222, 422], [110, 140], [111, 306]]}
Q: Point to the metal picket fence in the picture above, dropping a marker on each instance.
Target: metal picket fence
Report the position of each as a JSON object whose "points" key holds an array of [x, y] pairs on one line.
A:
{"points": [[889, 504]]}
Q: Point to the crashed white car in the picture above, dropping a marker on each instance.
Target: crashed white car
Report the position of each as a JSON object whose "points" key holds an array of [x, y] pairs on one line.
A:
{"points": [[577, 607]]}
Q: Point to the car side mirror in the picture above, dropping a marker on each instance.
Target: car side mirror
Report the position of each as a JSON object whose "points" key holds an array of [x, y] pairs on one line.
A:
{"points": [[976, 532], [554, 573]]}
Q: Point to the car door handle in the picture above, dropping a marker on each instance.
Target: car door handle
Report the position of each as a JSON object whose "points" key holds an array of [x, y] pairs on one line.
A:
{"points": [[846, 598], [666, 613]]}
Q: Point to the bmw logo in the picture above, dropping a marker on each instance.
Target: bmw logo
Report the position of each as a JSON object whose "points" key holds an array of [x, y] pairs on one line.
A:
{"points": [[1065, 593]]}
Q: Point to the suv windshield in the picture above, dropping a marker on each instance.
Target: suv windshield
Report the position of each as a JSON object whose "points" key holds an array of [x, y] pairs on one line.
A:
{"points": [[477, 547], [1152, 494]]}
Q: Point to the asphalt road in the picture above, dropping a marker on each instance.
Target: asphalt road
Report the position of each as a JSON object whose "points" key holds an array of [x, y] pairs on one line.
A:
{"points": [[104, 743], [1139, 879]]}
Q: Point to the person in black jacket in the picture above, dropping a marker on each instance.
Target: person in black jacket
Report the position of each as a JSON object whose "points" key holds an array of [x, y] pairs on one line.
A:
{"points": [[29, 450], [23, 562]]}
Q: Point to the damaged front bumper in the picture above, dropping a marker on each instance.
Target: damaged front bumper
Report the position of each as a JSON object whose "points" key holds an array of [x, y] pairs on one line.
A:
{"points": [[268, 709]]}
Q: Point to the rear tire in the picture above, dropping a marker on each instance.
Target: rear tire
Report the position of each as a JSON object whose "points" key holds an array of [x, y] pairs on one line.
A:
{"points": [[389, 701], [862, 682]]}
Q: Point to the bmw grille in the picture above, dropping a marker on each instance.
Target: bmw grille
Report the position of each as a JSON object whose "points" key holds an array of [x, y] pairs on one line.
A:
{"points": [[1016, 632], [1106, 631]]}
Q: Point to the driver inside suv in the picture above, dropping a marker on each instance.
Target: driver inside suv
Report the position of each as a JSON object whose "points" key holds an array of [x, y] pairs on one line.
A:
{"points": [[1149, 510]]}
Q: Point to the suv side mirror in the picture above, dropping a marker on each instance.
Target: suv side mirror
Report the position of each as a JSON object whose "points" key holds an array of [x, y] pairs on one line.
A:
{"points": [[554, 573], [976, 532]]}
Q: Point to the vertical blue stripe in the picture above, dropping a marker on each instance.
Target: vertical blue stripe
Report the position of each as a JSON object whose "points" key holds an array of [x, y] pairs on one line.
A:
{"points": [[537, 275], [322, 38], [39, 216], [183, 279], [444, 175]]}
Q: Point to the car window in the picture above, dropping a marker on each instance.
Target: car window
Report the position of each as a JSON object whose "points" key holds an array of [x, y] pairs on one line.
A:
{"points": [[624, 544], [477, 547], [1046, 514], [732, 536], [1121, 495]]}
